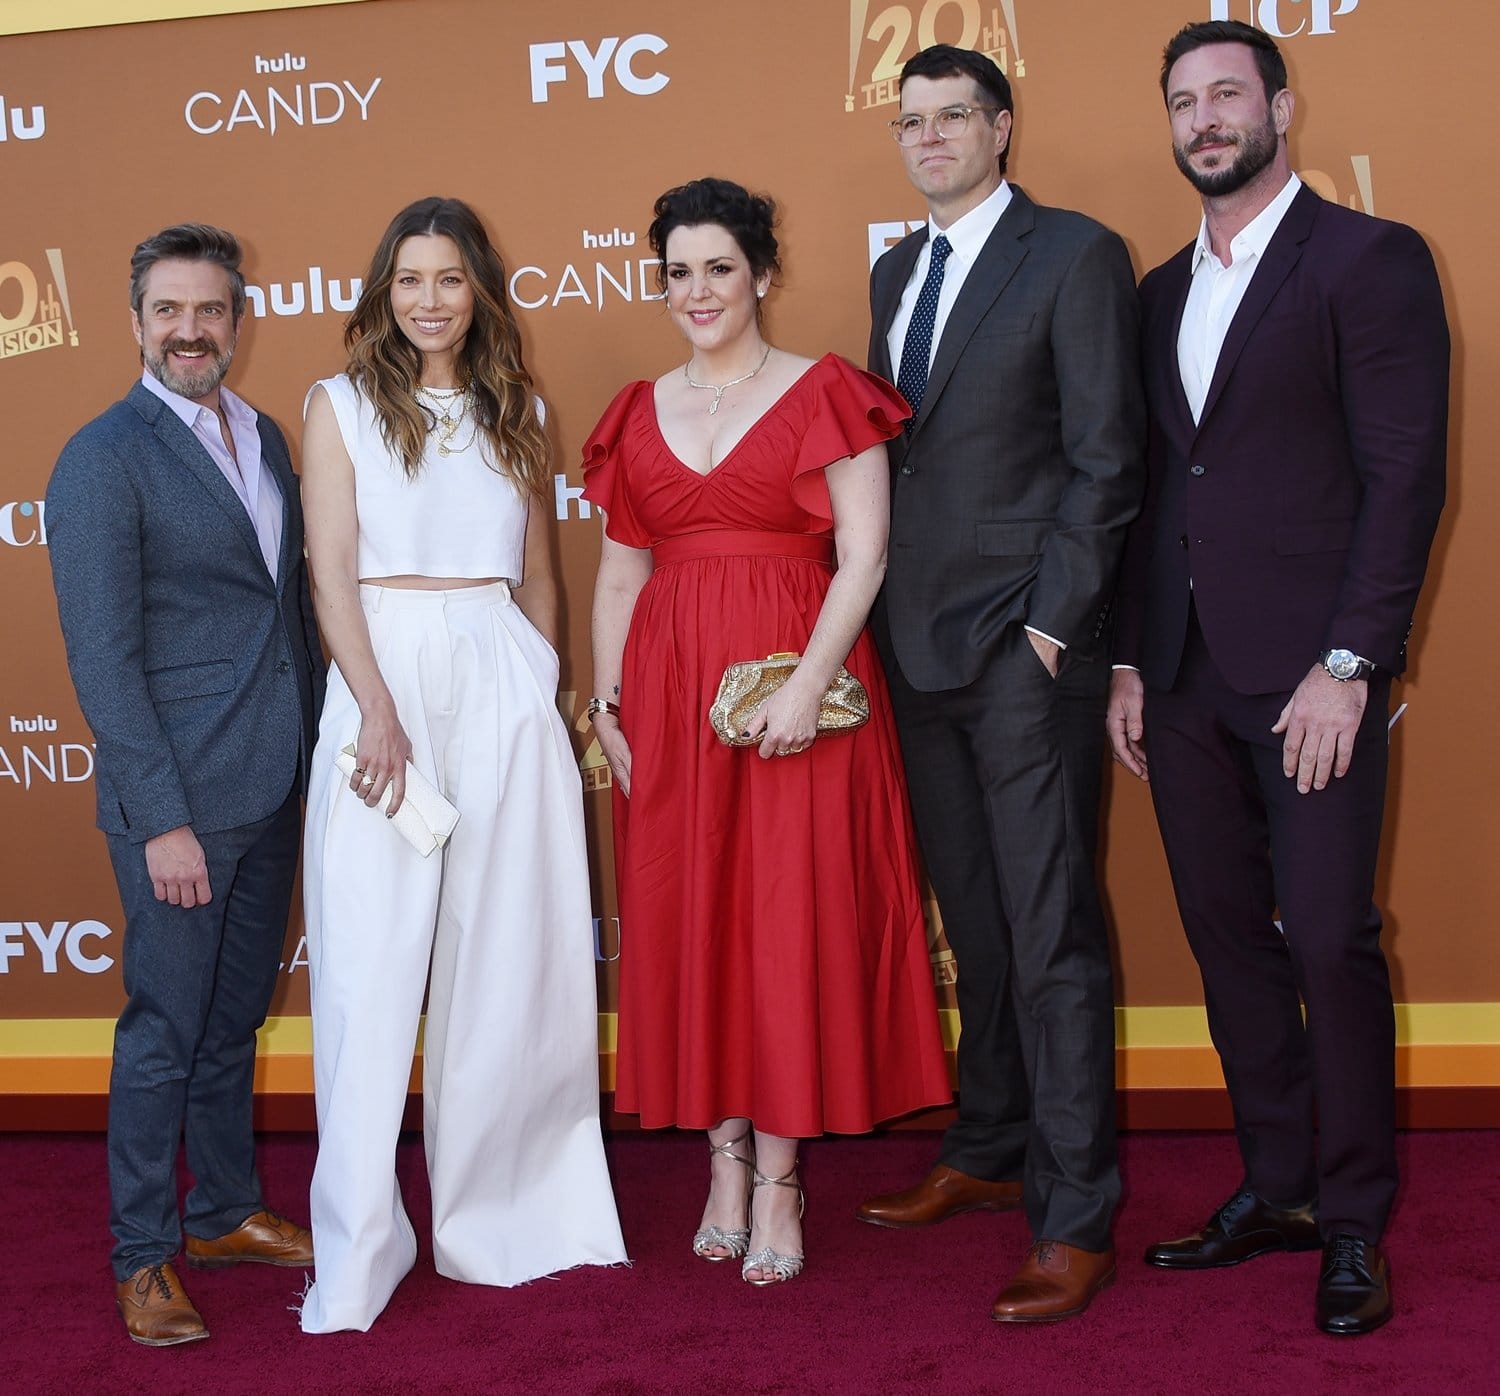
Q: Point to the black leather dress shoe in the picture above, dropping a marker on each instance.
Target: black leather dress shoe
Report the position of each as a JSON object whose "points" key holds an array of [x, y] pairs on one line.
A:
{"points": [[1354, 1289], [1243, 1228]]}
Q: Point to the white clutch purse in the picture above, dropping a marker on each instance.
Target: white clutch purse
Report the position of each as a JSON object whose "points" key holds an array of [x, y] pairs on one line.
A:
{"points": [[425, 819]]}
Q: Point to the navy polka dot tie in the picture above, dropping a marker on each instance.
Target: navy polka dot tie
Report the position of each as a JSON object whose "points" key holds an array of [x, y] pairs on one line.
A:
{"points": [[915, 353]]}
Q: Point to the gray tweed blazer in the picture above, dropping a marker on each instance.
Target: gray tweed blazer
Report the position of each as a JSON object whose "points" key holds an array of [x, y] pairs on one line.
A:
{"points": [[200, 674]]}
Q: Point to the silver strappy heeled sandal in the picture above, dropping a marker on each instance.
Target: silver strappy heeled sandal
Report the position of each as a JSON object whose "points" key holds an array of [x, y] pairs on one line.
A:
{"points": [[735, 1240], [781, 1267]]}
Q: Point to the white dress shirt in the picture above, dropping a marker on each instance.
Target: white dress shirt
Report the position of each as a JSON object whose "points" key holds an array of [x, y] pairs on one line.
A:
{"points": [[255, 487], [1216, 291], [966, 235]]}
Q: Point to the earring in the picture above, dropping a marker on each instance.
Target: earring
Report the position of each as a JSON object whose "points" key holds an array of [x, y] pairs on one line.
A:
{"points": [[760, 293]]}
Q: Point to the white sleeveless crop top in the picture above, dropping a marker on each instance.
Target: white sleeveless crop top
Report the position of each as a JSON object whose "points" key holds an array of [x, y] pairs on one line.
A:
{"points": [[456, 518]]}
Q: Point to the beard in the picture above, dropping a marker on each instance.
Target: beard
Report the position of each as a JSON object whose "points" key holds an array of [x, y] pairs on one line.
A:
{"points": [[193, 383], [1255, 150]]}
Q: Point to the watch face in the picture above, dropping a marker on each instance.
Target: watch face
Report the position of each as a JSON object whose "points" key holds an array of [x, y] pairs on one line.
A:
{"points": [[1342, 664]]}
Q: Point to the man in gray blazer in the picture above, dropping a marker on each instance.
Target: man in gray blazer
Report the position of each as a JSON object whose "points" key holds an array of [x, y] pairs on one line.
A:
{"points": [[175, 536], [1012, 330]]}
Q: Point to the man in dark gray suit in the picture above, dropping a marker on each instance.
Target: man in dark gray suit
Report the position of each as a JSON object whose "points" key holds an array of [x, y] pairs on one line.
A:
{"points": [[1012, 330], [176, 546]]}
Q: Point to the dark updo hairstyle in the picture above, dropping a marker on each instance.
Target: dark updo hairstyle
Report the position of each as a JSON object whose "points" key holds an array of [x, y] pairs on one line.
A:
{"points": [[748, 218]]}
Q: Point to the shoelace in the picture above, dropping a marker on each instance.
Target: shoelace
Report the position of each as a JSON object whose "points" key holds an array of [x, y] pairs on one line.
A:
{"points": [[1231, 1211], [1043, 1251], [154, 1276], [1347, 1254]]}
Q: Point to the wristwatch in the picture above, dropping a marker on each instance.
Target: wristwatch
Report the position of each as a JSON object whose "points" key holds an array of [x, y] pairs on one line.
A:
{"points": [[1344, 665]]}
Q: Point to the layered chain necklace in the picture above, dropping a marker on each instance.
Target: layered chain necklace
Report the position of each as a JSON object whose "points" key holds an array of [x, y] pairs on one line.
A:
{"points": [[718, 389], [450, 407]]}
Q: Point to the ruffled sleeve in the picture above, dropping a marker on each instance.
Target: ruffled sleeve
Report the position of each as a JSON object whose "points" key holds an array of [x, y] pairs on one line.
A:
{"points": [[849, 411], [604, 482]]}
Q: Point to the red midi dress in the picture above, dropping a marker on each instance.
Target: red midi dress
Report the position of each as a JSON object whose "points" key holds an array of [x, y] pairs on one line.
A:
{"points": [[773, 956]]}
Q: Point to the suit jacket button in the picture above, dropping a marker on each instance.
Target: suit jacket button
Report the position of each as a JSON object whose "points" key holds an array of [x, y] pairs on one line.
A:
{"points": [[908, 469], [1183, 540], [1196, 470], [282, 666]]}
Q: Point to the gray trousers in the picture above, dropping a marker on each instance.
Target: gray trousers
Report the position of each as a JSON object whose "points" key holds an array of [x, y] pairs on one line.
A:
{"points": [[198, 983], [1005, 779]]}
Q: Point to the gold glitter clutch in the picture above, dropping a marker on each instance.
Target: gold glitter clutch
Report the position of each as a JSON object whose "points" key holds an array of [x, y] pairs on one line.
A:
{"points": [[746, 685]]}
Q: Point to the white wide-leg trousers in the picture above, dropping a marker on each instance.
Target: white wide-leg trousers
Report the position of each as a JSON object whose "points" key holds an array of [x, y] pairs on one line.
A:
{"points": [[499, 921]]}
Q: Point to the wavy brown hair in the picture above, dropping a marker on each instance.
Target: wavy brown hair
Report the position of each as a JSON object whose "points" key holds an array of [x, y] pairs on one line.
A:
{"points": [[386, 366]]}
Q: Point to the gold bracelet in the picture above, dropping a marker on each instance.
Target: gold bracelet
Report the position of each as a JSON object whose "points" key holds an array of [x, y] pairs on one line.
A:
{"points": [[602, 705]]}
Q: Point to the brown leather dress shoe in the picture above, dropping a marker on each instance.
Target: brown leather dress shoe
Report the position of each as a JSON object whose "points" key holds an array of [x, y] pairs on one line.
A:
{"points": [[155, 1308], [943, 1193], [1055, 1281], [262, 1237]]}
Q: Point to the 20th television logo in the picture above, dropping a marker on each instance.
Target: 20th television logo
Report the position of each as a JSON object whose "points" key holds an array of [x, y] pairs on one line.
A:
{"points": [[35, 319], [880, 42]]}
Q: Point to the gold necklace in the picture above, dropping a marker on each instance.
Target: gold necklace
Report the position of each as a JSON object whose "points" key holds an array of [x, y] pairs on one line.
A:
{"points": [[441, 402], [717, 389]]}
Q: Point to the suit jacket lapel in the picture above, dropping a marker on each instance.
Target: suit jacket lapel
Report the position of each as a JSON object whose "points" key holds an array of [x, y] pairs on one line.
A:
{"points": [[888, 288], [273, 458], [186, 447], [1177, 413], [1000, 257], [1282, 254]]}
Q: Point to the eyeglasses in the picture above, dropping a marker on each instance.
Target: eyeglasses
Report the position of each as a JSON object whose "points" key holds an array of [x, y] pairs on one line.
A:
{"points": [[949, 124]]}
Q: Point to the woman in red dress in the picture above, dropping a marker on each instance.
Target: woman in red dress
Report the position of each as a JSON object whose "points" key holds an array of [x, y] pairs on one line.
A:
{"points": [[774, 979]]}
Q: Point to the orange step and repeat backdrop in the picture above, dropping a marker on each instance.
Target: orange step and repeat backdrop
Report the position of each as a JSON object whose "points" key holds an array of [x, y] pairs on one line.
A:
{"points": [[304, 128]]}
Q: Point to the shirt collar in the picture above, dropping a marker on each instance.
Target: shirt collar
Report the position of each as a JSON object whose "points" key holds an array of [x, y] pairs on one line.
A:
{"points": [[237, 411], [968, 234], [1253, 239]]}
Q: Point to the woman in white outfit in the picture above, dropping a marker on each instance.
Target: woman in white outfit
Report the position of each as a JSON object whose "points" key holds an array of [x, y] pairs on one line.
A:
{"points": [[419, 464]]}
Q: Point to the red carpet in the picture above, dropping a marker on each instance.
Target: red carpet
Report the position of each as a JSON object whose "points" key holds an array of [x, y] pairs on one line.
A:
{"points": [[876, 1311]]}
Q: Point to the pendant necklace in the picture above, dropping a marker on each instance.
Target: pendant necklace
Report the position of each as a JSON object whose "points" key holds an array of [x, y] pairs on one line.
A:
{"points": [[719, 390], [441, 402]]}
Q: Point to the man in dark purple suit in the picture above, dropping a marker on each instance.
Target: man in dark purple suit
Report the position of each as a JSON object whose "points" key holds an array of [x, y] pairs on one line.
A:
{"points": [[1296, 361]]}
